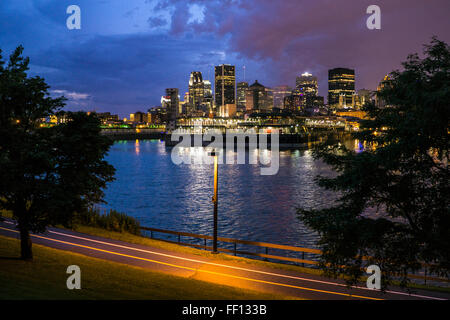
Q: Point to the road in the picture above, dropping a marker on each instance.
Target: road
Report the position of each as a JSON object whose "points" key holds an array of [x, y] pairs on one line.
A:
{"points": [[255, 277]]}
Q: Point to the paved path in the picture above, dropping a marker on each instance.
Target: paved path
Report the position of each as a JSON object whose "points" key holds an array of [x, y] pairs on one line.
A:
{"points": [[242, 275]]}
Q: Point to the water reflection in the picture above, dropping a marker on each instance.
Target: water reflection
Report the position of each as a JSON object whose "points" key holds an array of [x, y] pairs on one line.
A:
{"points": [[161, 194]]}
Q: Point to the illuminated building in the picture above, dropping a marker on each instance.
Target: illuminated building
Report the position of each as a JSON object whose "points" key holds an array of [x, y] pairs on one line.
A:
{"points": [[341, 88], [196, 89], [157, 115], [139, 117], [224, 88], [208, 97], [258, 98], [384, 83], [307, 84], [362, 97], [279, 93], [240, 96], [294, 103], [171, 102]]}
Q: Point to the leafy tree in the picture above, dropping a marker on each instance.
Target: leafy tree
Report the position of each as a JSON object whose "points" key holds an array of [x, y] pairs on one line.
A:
{"points": [[403, 175], [46, 174]]}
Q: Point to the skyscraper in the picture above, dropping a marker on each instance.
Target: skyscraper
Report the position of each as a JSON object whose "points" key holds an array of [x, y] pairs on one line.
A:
{"points": [[295, 102], [208, 90], [208, 97], [171, 101], [240, 96], [341, 87], [307, 84], [196, 89], [224, 88]]}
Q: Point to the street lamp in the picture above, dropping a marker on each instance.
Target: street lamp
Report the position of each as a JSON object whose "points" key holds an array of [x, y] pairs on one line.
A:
{"points": [[215, 199]]}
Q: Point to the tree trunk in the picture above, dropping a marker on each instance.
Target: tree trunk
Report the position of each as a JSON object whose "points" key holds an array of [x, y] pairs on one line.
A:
{"points": [[25, 244]]}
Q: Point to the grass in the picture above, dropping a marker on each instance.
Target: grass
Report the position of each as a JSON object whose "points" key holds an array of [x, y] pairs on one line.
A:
{"points": [[45, 278], [112, 221], [130, 238], [133, 238]]}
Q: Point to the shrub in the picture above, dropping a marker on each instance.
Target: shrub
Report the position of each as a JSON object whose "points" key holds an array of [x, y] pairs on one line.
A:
{"points": [[112, 221]]}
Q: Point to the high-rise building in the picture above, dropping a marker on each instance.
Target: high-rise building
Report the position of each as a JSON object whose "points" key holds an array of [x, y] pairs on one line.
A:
{"points": [[171, 101], [196, 89], [208, 97], [258, 98], [208, 90], [341, 88], [295, 102], [279, 93], [225, 88], [307, 84], [240, 96]]}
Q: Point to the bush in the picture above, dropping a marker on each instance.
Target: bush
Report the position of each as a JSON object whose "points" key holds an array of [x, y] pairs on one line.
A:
{"points": [[112, 221]]}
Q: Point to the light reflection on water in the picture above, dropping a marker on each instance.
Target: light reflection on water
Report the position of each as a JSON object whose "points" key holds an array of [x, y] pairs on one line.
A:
{"points": [[150, 187]]}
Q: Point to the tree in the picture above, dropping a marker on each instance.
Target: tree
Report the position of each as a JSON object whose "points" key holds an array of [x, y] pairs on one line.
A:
{"points": [[403, 175], [46, 173]]}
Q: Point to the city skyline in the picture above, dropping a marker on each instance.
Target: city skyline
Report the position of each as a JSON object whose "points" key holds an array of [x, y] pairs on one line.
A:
{"points": [[125, 55]]}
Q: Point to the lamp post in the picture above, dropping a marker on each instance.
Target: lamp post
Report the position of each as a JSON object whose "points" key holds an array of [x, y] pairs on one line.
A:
{"points": [[215, 199]]}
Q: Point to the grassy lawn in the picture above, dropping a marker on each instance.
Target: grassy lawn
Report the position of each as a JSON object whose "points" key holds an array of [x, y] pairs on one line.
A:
{"points": [[45, 278], [131, 238]]}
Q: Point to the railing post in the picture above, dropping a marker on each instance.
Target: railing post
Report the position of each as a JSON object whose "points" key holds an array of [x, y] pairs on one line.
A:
{"points": [[151, 234], [178, 238], [205, 242], [235, 248], [425, 277]]}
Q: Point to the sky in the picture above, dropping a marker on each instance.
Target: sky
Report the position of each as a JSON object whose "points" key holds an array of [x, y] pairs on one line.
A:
{"points": [[128, 51]]}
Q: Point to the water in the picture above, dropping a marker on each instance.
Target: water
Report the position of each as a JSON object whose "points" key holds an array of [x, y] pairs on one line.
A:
{"points": [[160, 194]]}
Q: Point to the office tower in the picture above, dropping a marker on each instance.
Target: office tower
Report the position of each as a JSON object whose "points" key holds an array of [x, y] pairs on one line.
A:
{"points": [[258, 98], [208, 90], [307, 84], [196, 89], [208, 101], [295, 102], [240, 96], [341, 88], [224, 88], [171, 101], [279, 93]]}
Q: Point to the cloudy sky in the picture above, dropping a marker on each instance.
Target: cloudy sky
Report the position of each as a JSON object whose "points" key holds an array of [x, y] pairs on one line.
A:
{"points": [[128, 51]]}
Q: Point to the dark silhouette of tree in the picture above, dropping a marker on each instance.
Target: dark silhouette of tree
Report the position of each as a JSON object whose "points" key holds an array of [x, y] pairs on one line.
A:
{"points": [[46, 173], [403, 174]]}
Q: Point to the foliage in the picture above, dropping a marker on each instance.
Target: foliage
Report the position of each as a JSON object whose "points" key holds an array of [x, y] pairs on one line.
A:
{"points": [[112, 221], [46, 174], [403, 175]]}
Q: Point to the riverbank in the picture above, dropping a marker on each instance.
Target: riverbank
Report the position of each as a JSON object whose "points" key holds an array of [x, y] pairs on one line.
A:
{"points": [[45, 278]]}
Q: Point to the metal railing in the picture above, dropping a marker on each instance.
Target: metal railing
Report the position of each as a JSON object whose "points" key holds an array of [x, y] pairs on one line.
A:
{"points": [[235, 251], [264, 245]]}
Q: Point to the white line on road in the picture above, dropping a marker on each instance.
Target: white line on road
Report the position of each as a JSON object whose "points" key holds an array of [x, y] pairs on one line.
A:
{"points": [[234, 267], [239, 268]]}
